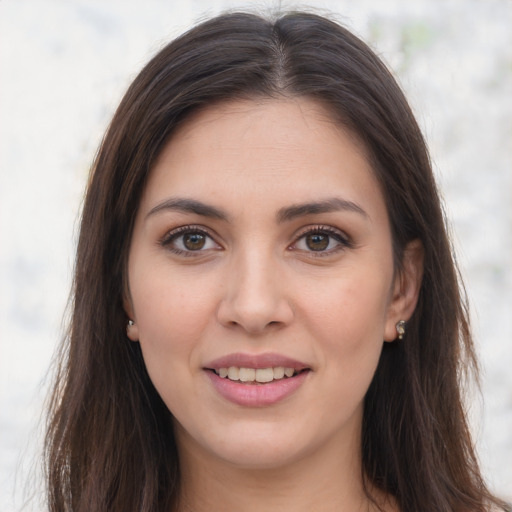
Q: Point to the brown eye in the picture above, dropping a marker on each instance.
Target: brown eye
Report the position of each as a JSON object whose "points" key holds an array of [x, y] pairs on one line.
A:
{"points": [[322, 240], [187, 240], [317, 241], [194, 241]]}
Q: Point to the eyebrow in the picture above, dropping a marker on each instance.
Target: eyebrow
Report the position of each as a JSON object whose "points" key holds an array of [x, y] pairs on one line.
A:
{"points": [[286, 214], [334, 204], [189, 206]]}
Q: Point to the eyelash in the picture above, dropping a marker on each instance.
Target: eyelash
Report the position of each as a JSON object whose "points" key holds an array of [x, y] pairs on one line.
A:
{"points": [[343, 241], [173, 235]]}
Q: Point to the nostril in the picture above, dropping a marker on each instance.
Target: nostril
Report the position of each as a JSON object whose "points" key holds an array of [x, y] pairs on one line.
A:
{"points": [[254, 312]]}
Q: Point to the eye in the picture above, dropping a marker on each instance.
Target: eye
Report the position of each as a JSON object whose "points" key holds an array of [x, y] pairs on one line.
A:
{"points": [[322, 240], [189, 239]]}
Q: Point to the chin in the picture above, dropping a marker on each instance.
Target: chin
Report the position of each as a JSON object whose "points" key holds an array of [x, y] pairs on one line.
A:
{"points": [[244, 444], [262, 448], [254, 457]]}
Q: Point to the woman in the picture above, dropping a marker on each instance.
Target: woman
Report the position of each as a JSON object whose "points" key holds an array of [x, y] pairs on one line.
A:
{"points": [[266, 309]]}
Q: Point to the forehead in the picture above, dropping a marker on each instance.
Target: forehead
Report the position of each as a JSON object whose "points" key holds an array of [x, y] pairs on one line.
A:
{"points": [[265, 149], [261, 125]]}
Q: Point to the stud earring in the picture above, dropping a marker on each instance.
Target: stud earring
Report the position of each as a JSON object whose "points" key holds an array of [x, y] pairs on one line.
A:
{"points": [[400, 329], [129, 331]]}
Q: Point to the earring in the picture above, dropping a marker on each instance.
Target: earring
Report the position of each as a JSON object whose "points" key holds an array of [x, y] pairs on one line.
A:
{"points": [[400, 329], [131, 330]]}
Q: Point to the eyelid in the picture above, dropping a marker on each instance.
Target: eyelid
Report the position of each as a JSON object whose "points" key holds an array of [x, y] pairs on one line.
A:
{"points": [[339, 235], [175, 233], [344, 241]]}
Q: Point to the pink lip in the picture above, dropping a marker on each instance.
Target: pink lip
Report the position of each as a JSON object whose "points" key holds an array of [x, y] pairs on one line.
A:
{"points": [[267, 360], [255, 394]]}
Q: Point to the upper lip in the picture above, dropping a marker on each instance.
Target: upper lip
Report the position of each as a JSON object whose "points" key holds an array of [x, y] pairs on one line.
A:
{"points": [[267, 360]]}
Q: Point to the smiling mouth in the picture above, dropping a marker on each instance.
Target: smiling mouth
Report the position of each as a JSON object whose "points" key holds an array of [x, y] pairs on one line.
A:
{"points": [[257, 375]]}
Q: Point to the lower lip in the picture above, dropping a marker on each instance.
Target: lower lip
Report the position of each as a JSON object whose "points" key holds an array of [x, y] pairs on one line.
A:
{"points": [[256, 395]]}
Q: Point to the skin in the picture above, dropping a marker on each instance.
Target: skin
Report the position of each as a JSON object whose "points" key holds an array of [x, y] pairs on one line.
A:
{"points": [[257, 286]]}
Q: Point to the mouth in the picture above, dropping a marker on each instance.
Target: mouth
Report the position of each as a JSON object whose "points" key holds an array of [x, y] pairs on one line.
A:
{"points": [[257, 375], [257, 380]]}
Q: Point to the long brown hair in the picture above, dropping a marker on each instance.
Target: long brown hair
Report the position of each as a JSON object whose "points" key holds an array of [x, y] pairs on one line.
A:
{"points": [[109, 444]]}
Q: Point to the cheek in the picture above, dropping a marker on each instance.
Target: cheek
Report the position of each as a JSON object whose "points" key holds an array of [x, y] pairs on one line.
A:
{"points": [[166, 303], [171, 317], [348, 317], [350, 309], [171, 312], [351, 333]]}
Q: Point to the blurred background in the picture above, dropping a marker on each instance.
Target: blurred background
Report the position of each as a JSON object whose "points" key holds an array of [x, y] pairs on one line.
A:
{"points": [[64, 65]]}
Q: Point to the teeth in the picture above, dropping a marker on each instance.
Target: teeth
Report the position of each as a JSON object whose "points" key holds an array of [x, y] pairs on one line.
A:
{"points": [[288, 372], [247, 374], [261, 375], [264, 375], [233, 373], [278, 372]]}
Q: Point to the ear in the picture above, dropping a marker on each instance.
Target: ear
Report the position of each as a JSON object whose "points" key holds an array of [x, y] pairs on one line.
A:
{"points": [[132, 330], [406, 288]]}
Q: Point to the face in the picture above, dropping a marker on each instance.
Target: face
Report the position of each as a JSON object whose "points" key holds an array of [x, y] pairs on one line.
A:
{"points": [[262, 250]]}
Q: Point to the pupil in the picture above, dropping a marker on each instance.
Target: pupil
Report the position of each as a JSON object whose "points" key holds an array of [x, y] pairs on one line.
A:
{"points": [[194, 241], [317, 242]]}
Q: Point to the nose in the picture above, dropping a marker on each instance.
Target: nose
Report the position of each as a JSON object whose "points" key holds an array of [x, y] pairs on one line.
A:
{"points": [[254, 295]]}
